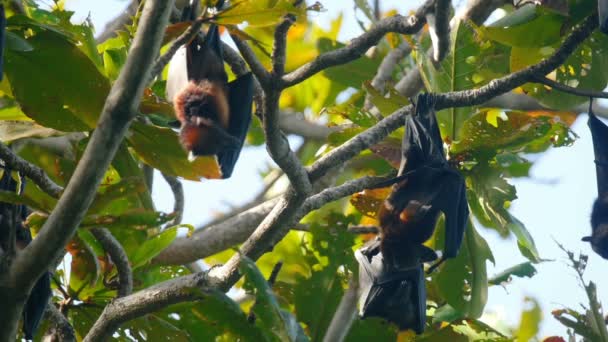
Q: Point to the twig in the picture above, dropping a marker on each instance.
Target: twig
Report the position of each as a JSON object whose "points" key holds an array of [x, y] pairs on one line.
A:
{"points": [[31, 171], [345, 314], [363, 229], [256, 67], [119, 258], [178, 196], [358, 46], [439, 29], [570, 90]]}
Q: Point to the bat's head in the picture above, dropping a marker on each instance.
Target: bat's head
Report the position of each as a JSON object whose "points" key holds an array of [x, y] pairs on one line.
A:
{"points": [[203, 137], [206, 100], [599, 240]]}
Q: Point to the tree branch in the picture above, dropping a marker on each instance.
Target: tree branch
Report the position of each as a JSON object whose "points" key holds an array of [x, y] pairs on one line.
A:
{"points": [[256, 67], [119, 258], [178, 195], [570, 90], [186, 288], [31, 171], [358, 46], [120, 107], [60, 328]]}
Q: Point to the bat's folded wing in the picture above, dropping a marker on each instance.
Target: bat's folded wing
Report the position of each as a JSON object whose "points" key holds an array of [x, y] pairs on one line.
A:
{"points": [[397, 295], [240, 100]]}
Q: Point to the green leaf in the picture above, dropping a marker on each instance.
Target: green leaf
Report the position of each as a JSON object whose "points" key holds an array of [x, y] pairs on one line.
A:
{"points": [[463, 281], [530, 321], [269, 316], [534, 26], [84, 268], [160, 148], [152, 247], [352, 74], [257, 13], [131, 219], [453, 73], [386, 105], [56, 84], [525, 269], [16, 43]]}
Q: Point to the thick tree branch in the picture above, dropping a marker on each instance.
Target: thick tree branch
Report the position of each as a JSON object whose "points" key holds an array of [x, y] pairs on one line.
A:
{"points": [[120, 107], [178, 197], [214, 238], [504, 84], [119, 258], [186, 288], [570, 90], [60, 328], [358, 46], [125, 18], [31, 171]]}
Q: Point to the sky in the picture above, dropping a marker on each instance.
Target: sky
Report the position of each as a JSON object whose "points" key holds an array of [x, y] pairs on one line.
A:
{"points": [[554, 203]]}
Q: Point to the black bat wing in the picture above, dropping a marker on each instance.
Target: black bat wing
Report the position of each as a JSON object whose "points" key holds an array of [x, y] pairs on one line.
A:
{"points": [[452, 201], [599, 214], [205, 57], [35, 305], [599, 134], [2, 29], [397, 295], [240, 100], [422, 144], [602, 9]]}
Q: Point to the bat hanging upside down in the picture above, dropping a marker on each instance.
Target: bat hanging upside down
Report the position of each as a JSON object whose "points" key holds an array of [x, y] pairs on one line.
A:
{"points": [[391, 276], [599, 214], [214, 115]]}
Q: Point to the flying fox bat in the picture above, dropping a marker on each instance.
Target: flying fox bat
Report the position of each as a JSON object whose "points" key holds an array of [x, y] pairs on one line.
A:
{"points": [[599, 214], [40, 294], [425, 186], [214, 114]]}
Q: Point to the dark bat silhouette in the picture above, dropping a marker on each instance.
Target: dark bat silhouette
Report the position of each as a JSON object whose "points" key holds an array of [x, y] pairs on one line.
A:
{"points": [[425, 186], [602, 11], [214, 114], [599, 214], [2, 29], [40, 294]]}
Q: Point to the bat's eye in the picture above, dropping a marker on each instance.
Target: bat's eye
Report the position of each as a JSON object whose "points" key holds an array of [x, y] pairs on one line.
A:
{"points": [[403, 216]]}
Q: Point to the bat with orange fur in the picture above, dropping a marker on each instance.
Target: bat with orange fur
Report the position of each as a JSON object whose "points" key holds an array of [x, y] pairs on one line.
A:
{"points": [[214, 114]]}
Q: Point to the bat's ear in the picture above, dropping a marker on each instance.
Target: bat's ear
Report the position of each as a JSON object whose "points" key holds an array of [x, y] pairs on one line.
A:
{"points": [[586, 239]]}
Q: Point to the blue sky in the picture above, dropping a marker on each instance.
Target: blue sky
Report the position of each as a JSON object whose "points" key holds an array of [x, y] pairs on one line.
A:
{"points": [[554, 203]]}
